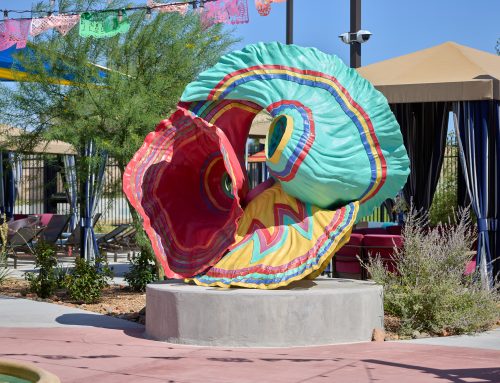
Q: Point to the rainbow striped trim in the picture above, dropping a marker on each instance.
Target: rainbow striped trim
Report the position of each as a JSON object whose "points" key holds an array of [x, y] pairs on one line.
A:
{"points": [[329, 83], [336, 234], [305, 141]]}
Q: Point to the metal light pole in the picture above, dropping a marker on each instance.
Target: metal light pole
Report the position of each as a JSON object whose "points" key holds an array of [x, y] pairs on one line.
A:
{"points": [[355, 47], [289, 22]]}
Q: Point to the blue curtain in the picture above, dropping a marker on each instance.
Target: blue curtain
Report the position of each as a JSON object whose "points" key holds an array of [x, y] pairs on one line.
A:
{"points": [[478, 132], [71, 187], [424, 127], [95, 167], [10, 175]]}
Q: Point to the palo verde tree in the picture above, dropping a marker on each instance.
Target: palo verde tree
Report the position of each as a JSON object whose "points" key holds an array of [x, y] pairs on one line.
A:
{"points": [[116, 89]]}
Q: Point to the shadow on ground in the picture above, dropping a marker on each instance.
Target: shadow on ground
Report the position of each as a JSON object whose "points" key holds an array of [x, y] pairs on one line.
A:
{"points": [[483, 375], [101, 321]]}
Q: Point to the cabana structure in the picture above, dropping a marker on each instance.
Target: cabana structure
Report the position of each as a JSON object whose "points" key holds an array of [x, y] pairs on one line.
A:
{"points": [[422, 88], [12, 154], [11, 69]]}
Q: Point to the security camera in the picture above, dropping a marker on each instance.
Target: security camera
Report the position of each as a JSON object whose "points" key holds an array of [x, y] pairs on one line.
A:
{"points": [[363, 36], [345, 38], [360, 36]]}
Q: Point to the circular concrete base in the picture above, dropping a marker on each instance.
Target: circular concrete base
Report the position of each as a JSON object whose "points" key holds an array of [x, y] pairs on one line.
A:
{"points": [[306, 313]]}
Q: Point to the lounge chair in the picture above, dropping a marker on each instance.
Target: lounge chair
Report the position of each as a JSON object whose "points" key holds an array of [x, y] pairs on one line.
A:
{"points": [[21, 241], [123, 239], [54, 228], [73, 239], [104, 241]]}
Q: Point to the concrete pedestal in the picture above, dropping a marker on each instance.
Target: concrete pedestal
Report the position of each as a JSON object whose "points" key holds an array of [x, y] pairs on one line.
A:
{"points": [[306, 313]]}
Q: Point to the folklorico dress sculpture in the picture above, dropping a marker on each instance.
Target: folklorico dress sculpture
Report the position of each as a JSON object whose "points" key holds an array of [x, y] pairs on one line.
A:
{"points": [[334, 151]]}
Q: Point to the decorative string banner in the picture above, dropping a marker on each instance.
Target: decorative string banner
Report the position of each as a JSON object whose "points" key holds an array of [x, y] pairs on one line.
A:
{"points": [[14, 32], [103, 24], [62, 23], [110, 22], [168, 8], [225, 11], [264, 6]]}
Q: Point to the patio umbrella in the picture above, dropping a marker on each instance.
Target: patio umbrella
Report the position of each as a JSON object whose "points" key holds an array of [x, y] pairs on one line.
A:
{"points": [[11, 68]]}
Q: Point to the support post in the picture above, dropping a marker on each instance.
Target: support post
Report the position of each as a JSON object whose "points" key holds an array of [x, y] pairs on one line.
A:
{"points": [[289, 22], [83, 202], [355, 26]]}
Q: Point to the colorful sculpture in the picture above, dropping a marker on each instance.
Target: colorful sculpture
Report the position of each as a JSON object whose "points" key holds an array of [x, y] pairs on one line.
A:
{"points": [[334, 151]]}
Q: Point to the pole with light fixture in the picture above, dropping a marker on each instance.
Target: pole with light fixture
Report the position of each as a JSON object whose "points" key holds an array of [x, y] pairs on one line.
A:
{"points": [[356, 36], [289, 22]]}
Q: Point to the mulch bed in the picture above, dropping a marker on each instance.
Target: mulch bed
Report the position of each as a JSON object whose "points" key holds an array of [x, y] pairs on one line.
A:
{"points": [[116, 301]]}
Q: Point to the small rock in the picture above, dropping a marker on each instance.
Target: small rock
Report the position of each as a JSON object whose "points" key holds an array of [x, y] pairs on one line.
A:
{"points": [[30, 295], [108, 309], [424, 335], [444, 332], [378, 335], [415, 334]]}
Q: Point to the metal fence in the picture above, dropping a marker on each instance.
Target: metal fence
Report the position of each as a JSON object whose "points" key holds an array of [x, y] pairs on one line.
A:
{"points": [[41, 190], [41, 187]]}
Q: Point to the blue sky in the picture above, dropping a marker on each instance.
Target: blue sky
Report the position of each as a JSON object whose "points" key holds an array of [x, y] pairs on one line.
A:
{"points": [[398, 26]]}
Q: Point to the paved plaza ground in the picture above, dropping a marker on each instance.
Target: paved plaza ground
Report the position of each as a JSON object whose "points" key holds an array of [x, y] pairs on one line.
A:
{"points": [[81, 346]]}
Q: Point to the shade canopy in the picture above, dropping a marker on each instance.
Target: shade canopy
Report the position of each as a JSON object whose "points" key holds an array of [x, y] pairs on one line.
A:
{"points": [[9, 133], [11, 68], [260, 125], [446, 72]]}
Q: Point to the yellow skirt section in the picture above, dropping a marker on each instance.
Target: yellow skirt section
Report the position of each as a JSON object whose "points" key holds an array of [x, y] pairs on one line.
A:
{"points": [[280, 240]]}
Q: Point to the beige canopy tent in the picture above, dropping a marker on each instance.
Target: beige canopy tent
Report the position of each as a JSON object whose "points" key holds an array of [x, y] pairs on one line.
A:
{"points": [[422, 88], [260, 125], [446, 72], [8, 135]]}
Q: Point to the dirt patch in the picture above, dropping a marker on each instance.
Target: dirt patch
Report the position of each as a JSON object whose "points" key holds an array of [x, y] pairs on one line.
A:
{"points": [[116, 301]]}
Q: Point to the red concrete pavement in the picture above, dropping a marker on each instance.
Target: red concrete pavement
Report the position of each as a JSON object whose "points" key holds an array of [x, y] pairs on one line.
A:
{"points": [[89, 354]]}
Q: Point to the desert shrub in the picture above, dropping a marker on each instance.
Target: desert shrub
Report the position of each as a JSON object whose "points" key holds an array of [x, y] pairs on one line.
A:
{"points": [[45, 282], [86, 280], [429, 293], [142, 271], [4, 270], [445, 200]]}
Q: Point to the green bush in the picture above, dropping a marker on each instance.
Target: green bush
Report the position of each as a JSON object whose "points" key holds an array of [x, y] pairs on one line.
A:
{"points": [[429, 293], [46, 281], [87, 280], [142, 271]]}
